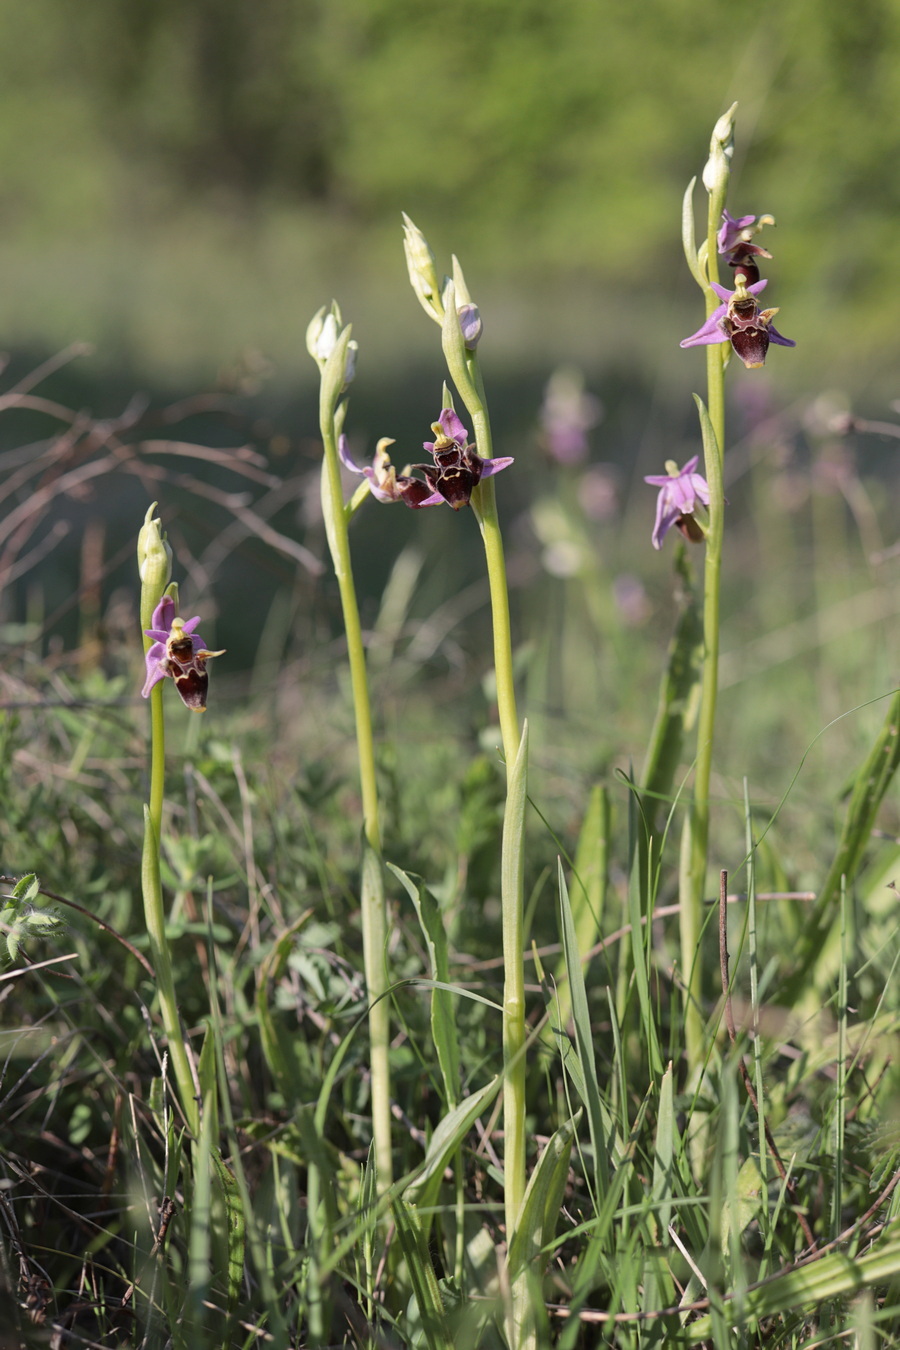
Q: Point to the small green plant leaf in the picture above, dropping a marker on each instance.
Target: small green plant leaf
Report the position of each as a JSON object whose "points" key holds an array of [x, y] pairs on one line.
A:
{"points": [[543, 1197], [422, 1275], [449, 1134], [443, 1003]]}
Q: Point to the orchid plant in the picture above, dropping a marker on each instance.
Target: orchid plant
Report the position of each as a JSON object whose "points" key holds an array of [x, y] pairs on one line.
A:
{"points": [[734, 322], [331, 346]]}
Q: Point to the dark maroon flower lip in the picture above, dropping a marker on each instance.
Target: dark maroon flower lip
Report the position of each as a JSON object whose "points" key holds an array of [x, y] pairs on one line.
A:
{"points": [[452, 478], [740, 313], [385, 484], [179, 652], [458, 468]]}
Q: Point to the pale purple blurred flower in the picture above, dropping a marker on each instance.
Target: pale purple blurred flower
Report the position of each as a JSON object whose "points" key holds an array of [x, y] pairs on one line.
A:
{"points": [[631, 600], [598, 492], [679, 492], [567, 415]]}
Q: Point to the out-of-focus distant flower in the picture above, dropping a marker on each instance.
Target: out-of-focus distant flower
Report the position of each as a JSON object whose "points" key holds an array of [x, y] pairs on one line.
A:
{"points": [[385, 484], [567, 415], [598, 492], [458, 468], [679, 492], [631, 600], [740, 321]]}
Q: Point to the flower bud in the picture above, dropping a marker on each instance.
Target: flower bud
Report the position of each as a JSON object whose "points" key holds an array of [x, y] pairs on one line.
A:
{"points": [[350, 364], [154, 555], [470, 325], [721, 149], [339, 368], [322, 333], [422, 275]]}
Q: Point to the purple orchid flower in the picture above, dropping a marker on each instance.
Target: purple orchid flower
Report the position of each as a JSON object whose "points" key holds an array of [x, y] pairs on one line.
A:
{"points": [[737, 235], [679, 492], [458, 468], [179, 651], [385, 484], [735, 241], [740, 321]]}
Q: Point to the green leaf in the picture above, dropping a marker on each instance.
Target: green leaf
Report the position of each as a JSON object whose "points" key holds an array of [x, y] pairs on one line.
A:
{"points": [[835, 1275], [676, 709], [588, 886], [443, 1004], [27, 889], [449, 1134], [543, 1198], [599, 1123], [688, 236], [640, 869], [421, 1272]]}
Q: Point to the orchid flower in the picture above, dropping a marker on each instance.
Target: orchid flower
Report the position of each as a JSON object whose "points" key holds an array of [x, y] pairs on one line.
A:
{"points": [[385, 484], [740, 321], [458, 468], [177, 650], [679, 492]]}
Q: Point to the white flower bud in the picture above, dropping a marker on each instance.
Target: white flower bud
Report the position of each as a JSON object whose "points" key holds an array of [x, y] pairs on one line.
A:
{"points": [[721, 149], [420, 265], [154, 555], [327, 338]]}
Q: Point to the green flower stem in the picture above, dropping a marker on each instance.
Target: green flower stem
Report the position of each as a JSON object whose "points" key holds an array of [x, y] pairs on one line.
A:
{"points": [[154, 905], [695, 840], [372, 902], [484, 502]]}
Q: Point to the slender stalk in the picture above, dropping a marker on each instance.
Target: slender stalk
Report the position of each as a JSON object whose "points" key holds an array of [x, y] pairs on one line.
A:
{"points": [[695, 840], [484, 502], [154, 905], [372, 902]]}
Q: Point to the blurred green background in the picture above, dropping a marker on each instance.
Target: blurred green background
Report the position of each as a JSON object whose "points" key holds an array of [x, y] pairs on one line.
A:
{"points": [[184, 180]]}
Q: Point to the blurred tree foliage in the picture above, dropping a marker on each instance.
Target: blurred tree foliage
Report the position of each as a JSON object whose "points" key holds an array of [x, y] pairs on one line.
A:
{"points": [[556, 136]]}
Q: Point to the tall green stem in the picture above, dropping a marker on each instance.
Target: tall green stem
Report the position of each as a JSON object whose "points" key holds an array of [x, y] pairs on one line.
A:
{"points": [[695, 839], [484, 502], [151, 887], [372, 901]]}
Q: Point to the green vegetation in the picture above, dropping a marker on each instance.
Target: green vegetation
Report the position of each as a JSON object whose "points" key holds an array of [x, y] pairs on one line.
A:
{"points": [[382, 1005]]}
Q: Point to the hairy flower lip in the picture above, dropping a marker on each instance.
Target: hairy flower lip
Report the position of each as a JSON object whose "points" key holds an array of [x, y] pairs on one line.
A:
{"points": [[458, 468], [189, 672], [452, 478], [738, 314]]}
